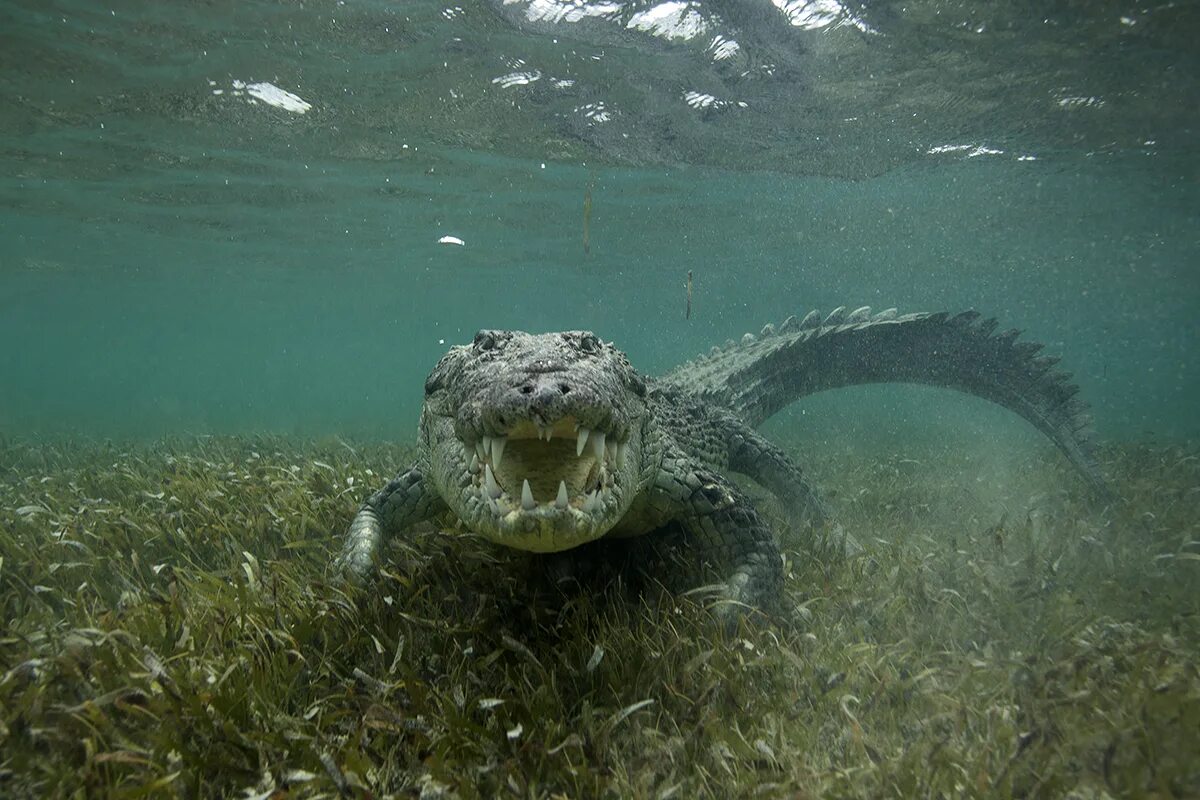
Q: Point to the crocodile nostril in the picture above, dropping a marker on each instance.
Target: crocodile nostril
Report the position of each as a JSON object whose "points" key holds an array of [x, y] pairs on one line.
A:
{"points": [[562, 387], [527, 389]]}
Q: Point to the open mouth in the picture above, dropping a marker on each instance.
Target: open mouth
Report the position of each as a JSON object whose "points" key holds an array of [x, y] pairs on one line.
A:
{"points": [[546, 469]]}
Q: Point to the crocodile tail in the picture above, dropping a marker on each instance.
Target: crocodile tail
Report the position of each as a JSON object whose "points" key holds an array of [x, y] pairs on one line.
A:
{"points": [[762, 374]]}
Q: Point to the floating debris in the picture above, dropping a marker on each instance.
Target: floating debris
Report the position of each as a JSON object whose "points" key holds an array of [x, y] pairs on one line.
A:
{"points": [[587, 215], [688, 314], [597, 657]]}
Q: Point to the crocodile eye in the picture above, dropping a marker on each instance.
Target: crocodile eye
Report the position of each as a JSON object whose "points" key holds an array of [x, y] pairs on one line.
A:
{"points": [[589, 343], [485, 340]]}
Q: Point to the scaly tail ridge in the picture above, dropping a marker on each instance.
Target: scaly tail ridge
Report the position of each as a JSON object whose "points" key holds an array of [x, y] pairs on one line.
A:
{"points": [[762, 374]]}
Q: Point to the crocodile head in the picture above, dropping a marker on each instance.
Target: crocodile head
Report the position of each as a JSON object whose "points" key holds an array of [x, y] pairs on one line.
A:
{"points": [[535, 441]]}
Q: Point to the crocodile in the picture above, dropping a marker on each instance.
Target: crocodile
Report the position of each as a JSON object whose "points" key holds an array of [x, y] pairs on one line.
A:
{"points": [[545, 442]]}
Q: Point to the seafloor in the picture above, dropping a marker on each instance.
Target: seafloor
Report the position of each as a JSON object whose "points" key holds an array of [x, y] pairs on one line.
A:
{"points": [[169, 630]]}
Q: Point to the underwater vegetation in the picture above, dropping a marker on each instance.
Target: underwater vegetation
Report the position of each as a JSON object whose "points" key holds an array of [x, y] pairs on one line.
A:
{"points": [[169, 630]]}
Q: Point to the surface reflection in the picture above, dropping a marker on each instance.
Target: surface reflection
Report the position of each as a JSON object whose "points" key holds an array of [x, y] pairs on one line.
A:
{"points": [[822, 87]]}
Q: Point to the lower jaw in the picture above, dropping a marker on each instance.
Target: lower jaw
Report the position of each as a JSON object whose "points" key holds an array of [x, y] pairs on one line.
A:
{"points": [[536, 535], [543, 529]]}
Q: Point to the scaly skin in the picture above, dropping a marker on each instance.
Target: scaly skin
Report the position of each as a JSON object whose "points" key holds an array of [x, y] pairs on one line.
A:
{"points": [[545, 442]]}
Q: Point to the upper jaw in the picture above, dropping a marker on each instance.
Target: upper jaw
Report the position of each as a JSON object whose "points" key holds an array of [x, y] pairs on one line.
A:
{"points": [[475, 422], [546, 469]]}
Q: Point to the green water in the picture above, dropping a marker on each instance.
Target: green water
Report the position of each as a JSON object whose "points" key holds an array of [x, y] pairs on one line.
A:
{"points": [[177, 260]]}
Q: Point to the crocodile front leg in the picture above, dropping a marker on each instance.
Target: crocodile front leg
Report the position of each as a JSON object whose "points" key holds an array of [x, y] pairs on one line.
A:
{"points": [[725, 530], [407, 500], [750, 453]]}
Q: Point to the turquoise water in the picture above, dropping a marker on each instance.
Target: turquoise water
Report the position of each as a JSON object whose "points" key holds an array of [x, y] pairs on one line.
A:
{"points": [[175, 259]]}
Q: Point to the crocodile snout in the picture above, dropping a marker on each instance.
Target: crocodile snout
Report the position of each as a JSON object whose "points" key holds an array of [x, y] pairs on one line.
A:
{"points": [[544, 394]]}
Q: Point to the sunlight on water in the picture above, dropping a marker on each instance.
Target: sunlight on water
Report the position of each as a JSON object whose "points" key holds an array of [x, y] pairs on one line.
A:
{"points": [[817, 14], [675, 20]]}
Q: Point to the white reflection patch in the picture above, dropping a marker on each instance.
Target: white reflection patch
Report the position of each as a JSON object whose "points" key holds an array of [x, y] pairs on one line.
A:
{"points": [[723, 48], [596, 112], [517, 79], [816, 14], [671, 20], [968, 150], [267, 93], [272, 95], [568, 11], [700, 100], [1081, 102]]}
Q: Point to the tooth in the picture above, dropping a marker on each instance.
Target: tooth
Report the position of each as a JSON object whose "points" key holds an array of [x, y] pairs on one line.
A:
{"points": [[598, 445], [468, 451], [479, 451], [474, 464], [592, 500], [527, 497], [489, 482], [610, 450], [487, 448], [497, 448], [581, 440], [560, 502], [620, 453]]}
